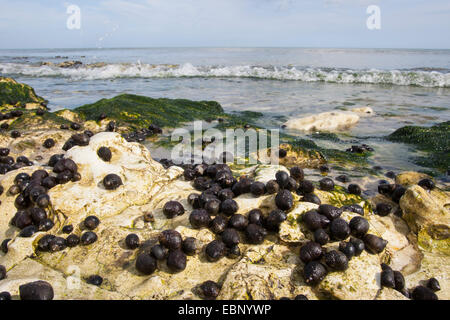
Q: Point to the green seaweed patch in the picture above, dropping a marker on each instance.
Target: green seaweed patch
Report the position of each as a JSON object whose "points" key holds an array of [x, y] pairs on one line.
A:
{"points": [[12, 92], [139, 111], [29, 119], [434, 140], [329, 136]]}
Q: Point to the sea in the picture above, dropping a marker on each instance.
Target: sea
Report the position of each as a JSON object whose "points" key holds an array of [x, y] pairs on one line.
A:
{"points": [[402, 86]]}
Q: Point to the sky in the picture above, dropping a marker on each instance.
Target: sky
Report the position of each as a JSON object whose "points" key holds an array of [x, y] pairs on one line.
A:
{"points": [[224, 23]]}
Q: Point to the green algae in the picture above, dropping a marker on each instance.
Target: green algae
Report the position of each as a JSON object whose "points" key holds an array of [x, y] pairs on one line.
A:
{"points": [[139, 111], [12, 92], [29, 119], [435, 141]]}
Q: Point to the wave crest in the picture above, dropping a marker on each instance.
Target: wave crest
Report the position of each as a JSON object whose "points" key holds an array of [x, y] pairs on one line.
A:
{"points": [[415, 77]]}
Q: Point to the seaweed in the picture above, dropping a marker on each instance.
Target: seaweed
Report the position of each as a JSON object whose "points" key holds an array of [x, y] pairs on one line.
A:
{"points": [[434, 140], [12, 92]]}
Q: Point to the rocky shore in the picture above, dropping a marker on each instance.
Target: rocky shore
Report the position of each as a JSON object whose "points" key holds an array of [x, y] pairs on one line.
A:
{"points": [[126, 190]]}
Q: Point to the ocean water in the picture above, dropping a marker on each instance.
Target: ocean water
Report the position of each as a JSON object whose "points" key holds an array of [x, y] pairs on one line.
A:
{"points": [[403, 87]]}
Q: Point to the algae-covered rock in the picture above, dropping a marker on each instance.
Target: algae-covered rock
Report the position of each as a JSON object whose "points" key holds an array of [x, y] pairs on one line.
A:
{"points": [[428, 215], [12, 92], [435, 140], [409, 177], [139, 111]]}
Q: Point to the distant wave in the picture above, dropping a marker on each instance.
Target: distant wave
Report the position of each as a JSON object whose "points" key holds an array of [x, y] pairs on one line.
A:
{"points": [[416, 77]]}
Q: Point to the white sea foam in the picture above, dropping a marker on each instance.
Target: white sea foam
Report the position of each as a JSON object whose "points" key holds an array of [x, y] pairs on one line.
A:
{"points": [[423, 78]]}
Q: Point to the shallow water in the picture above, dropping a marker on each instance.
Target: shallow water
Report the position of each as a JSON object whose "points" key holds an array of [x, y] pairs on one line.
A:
{"points": [[402, 86]]}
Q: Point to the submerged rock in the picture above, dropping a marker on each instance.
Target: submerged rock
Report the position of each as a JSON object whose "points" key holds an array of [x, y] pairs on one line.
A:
{"points": [[326, 121]]}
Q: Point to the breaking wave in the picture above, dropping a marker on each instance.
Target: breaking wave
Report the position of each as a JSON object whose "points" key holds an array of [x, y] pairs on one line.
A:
{"points": [[414, 77]]}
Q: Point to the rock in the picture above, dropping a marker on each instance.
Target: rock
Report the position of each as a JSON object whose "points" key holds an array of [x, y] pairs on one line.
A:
{"points": [[327, 121], [428, 215], [390, 294], [363, 111], [410, 177], [12, 92], [359, 282], [265, 272]]}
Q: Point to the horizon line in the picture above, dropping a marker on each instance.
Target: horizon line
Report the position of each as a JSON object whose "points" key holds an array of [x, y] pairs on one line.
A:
{"points": [[225, 47]]}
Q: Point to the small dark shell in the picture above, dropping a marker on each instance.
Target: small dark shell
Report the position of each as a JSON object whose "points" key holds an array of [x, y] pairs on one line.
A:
{"points": [[354, 189], [343, 178], [44, 242], [427, 184], [336, 260], [314, 272], [329, 211], [387, 279], [230, 237], [172, 209], [258, 188], [284, 200], [91, 222], [112, 181], [215, 250], [194, 200], [256, 216], [212, 207], [199, 218], [57, 244], [313, 220], [159, 252], [305, 187], [359, 226], [132, 241], [234, 252], [190, 246], [297, 173], [274, 219], [72, 240], [170, 239], [383, 209], [282, 178], [399, 281], [88, 238], [145, 264], [5, 295], [359, 246], [218, 224], [104, 153], [374, 244], [67, 229], [238, 222], [37, 290], [311, 197], [95, 280], [229, 207], [433, 284], [321, 237], [326, 184], [399, 191], [272, 187], [348, 249], [310, 251], [339, 229], [423, 293], [28, 231], [255, 234], [225, 194], [210, 289], [300, 297], [176, 260]]}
